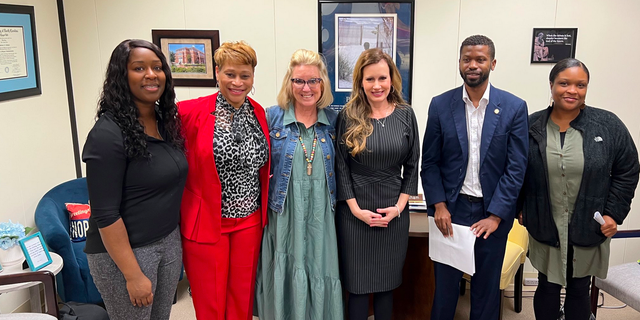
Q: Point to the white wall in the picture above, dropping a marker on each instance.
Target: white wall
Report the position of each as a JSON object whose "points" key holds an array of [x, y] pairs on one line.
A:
{"points": [[37, 151], [607, 40]]}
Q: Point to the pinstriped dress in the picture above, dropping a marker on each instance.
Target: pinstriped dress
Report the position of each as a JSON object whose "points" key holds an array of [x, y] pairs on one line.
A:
{"points": [[371, 259]]}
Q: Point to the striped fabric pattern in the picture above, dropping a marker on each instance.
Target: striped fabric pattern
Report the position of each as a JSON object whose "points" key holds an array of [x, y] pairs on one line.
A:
{"points": [[371, 259]]}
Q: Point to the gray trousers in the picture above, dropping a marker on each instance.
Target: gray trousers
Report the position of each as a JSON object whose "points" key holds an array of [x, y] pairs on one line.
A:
{"points": [[160, 261]]}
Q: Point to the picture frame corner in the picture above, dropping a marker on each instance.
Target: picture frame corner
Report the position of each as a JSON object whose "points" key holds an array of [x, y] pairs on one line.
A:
{"points": [[200, 79], [28, 255], [22, 80], [328, 33]]}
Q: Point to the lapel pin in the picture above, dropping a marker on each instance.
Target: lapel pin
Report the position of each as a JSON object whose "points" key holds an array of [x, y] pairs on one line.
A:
{"points": [[597, 139], [496, 111]]}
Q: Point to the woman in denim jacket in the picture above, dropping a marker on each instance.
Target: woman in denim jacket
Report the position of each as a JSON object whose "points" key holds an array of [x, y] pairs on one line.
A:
{"points": [[298, 274]]}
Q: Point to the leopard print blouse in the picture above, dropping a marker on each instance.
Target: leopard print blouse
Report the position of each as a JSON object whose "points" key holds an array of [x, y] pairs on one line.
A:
{"points": [[240, 149]]}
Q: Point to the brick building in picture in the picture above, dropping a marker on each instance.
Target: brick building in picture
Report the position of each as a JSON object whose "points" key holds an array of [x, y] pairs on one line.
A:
{"points": [[189, 55]]}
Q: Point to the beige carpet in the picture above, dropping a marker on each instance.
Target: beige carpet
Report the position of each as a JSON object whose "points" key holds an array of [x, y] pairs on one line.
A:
{"points": [[183, 310]]}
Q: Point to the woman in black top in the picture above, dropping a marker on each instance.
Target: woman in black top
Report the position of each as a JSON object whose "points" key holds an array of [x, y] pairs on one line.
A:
{"points": [[376, 171], [136, 171]]}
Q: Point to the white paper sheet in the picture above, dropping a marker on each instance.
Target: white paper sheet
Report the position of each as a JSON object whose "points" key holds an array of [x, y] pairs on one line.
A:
{"points": [[598, 217], [456, 251]]}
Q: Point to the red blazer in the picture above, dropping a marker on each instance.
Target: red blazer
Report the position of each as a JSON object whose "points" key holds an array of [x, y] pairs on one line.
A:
{"points": [[202, 198]]}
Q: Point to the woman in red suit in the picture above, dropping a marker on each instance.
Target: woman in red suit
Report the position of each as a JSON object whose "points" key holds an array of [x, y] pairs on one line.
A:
{"points": [[224, 205]]}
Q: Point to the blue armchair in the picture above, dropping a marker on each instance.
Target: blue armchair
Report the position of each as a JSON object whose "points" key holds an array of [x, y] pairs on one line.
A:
{"points": [[52, 218]]}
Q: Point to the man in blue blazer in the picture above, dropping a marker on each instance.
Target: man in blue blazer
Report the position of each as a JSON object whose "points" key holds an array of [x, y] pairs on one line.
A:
{"points": [[474, 158]]}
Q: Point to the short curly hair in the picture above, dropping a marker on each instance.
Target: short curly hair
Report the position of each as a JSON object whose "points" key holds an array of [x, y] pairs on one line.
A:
{"points": [[479, 40]]}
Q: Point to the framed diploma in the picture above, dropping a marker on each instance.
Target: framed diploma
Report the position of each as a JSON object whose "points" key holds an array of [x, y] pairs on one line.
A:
{"points": [[19, 70], [35, 250]]}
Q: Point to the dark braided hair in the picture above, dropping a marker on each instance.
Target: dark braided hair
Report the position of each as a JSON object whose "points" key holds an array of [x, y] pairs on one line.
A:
{"points": [[116, 100]]}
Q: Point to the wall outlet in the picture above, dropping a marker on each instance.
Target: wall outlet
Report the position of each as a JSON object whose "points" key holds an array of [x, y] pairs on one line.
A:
{"points": [[530, 281]]}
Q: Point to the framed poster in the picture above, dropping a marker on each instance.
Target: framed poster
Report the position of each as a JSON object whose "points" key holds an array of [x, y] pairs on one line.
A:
{"points": [[19, 70], [190, 55], [347, 28], [550, 45], [36, 252]]}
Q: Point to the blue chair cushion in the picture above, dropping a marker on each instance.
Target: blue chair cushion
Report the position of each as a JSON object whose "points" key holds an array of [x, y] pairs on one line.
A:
{"points": [[52, 219]]}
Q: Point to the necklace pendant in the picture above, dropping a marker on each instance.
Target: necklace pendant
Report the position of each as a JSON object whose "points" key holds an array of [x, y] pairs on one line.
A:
{"points": [[309, 168]]}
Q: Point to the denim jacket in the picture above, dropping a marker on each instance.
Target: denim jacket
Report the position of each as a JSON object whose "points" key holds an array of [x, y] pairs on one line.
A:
{"points": [[284, 140]]}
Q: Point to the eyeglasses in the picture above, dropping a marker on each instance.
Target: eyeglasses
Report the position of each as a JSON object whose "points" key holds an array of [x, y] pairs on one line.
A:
{"points": [[313, 82]]}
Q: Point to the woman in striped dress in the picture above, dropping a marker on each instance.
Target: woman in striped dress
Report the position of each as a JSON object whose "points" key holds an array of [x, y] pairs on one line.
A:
{"points": [[376, 171]]}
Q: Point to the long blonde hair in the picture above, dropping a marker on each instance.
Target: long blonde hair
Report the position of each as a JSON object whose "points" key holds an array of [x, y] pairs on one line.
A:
{"points": [[300, 58], [358, 111]]}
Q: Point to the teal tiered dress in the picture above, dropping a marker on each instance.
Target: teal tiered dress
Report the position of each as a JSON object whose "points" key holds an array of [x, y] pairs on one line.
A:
{"points": [[298, 273]]}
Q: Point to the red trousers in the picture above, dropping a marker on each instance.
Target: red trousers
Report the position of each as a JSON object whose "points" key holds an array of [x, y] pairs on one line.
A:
{"points": [[222, 274]]}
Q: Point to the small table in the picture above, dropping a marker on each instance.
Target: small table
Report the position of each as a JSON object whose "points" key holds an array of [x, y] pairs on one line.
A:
{"points": [[34, 288]]}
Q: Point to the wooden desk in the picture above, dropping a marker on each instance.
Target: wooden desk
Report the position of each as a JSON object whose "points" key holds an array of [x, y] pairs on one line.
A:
{"points": [[414, 298]]}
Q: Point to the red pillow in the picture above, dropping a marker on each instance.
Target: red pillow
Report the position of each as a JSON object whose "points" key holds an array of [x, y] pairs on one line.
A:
{"points": [[78, 221]]}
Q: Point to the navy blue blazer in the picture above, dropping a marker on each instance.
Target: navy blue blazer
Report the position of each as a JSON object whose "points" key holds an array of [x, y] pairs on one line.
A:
{"points": [[503, 154]]}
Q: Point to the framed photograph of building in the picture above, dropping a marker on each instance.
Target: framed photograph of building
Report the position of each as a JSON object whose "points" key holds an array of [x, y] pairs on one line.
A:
{"points": [[190, 54], [19, 70], [347, 28], [550, 45]]}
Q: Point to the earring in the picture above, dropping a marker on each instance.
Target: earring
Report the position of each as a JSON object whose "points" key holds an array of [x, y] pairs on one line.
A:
{"points": [[253, 90], [393, 89]]}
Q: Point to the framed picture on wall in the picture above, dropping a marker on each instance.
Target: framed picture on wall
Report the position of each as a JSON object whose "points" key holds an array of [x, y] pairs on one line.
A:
{"points": [[550, 45], [19, 70], [190, 55], [347, 28], [356, 33]]}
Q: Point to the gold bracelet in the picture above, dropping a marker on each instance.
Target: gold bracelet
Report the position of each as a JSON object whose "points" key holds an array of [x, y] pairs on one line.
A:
{"points": [[397, 208]]}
